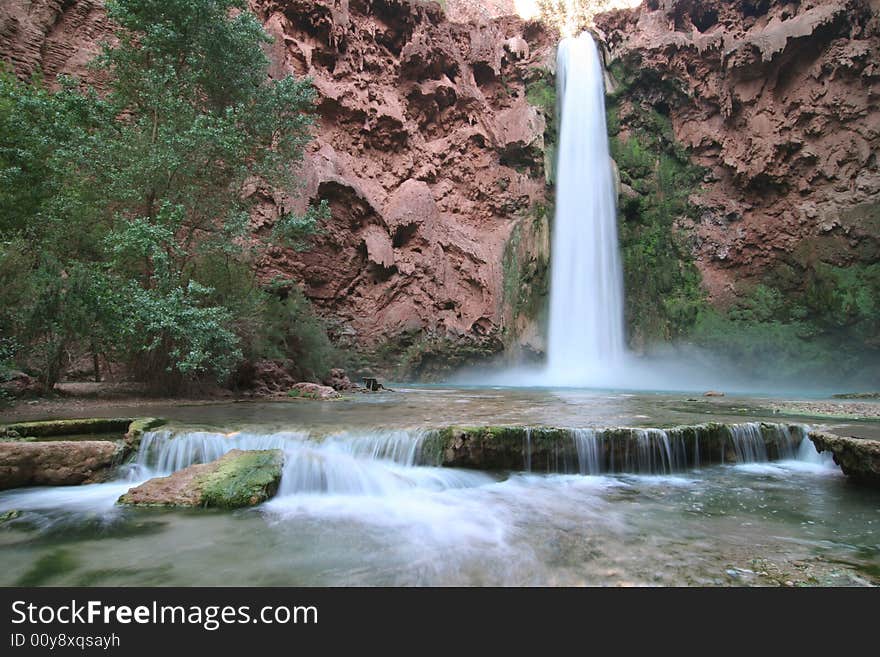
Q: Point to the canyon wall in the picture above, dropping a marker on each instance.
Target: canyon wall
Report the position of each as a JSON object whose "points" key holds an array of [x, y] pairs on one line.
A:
{"points": [[430, 147], [425, 147], [779, 102]]}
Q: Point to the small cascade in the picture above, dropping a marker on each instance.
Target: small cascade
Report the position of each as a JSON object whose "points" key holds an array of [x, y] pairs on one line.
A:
{"points": [[376, 463], [748, 442], [664, 451], [403, 447], [586, 442], [808, 455], [760, 442], [164, 452], [387, 462], [789, 439], [527, 449], [349, 463]]}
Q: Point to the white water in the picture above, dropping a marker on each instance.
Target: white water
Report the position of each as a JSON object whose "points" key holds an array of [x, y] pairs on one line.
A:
{"points": [[586, 335], [377, 463], [381, 473]]}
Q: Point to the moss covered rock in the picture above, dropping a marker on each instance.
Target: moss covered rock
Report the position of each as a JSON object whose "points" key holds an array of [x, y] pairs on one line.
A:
{"points": [[136, 431], [237, 479], [76, 427], [614, 449]]}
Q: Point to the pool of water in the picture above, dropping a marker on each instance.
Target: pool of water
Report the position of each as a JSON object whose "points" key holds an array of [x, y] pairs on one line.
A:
{"points": [[349, 513], [433, 406], [725, 525]]}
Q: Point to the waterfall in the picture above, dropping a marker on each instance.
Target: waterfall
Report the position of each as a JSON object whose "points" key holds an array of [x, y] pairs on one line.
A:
{"points": [[586, 336]]}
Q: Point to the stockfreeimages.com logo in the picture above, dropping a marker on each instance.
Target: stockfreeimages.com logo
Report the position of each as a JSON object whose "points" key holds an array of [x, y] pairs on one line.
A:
{"points": [[209, 617]]}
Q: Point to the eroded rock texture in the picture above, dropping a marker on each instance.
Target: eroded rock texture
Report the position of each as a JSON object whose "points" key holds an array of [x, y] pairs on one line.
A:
{"points": [[779, 101], [859, 458], [431, 156], [426, 149], [428, 153]]}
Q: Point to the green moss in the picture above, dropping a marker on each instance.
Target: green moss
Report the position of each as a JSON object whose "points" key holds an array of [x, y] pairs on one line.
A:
{"points": [[9, 515], [830, 326], [663, 286], [526, 271], [136, 431], [819, 308], [511, 268], [70, 427], [246, 480], [431, 358], [48, 567], [541, 93]]}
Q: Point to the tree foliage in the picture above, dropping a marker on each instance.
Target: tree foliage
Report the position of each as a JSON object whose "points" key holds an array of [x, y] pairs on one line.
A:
{"points": [[124, 217]]}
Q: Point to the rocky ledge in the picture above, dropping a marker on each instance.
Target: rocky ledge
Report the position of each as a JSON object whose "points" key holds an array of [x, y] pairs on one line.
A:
{"points": [[27, 458], [237, 479], [859, 458], [609, 450], [56, 463]]}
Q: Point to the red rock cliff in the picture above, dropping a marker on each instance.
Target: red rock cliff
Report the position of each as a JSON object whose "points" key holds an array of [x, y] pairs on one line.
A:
{"points": [[430, 154], [781, 104], [426, 149]]}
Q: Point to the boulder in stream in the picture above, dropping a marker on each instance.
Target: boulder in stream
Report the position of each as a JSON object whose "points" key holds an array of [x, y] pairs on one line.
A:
{"points": [[235, 480], [312, 391]]}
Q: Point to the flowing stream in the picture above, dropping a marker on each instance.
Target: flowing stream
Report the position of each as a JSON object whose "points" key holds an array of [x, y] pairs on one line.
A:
{"points": [[369, 507]]}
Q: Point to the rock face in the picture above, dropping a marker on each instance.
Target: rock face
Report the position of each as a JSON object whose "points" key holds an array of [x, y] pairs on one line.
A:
{"points": [[431, 156], [26, 459], [857, 457], [338, 380], [56, 463], [779, 102], [237, 479], [426, 149], [428, 152]]}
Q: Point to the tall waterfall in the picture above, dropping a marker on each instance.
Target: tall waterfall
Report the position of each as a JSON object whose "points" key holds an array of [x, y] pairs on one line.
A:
{"points": [[586, 336]]}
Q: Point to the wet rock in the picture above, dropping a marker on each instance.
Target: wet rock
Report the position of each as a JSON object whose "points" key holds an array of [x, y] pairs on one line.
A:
{"points": [[56, 463], [136, 430], [859, 458], [618, 449], [237, 479], [9, 516], [313, 391]]}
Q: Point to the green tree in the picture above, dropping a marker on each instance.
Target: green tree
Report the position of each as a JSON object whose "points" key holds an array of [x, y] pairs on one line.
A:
{"points": [[128, 214]]}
